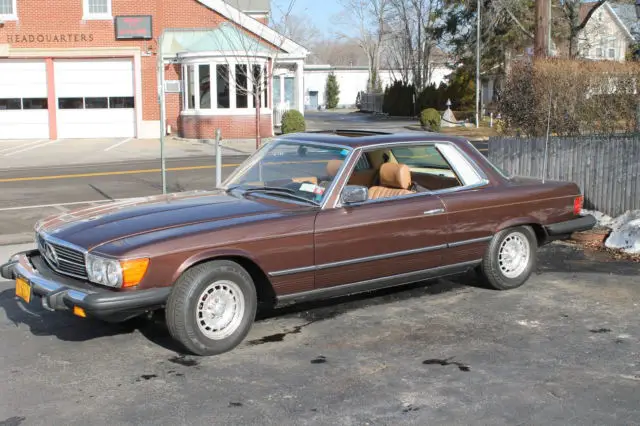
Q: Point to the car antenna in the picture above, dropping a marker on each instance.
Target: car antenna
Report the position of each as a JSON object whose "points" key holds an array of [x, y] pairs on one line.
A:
{"points": [[546, 143]]}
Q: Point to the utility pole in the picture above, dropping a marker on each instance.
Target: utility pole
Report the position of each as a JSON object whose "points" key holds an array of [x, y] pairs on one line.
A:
{"points": [[541, 41], [478, 68]]}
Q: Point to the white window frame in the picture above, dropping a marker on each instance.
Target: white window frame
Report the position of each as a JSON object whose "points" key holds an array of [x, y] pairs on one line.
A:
{"points": [[87, 16], [213, 82], [11, 16]]}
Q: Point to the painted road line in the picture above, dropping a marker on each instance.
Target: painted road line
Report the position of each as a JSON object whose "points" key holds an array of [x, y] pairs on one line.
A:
{"points": [[117, 144], [30, 148], [125, 172], [134, 172], [22, 145]]}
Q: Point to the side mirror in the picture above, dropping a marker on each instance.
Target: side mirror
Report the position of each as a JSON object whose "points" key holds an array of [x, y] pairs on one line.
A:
{"points": [[354, 194]]}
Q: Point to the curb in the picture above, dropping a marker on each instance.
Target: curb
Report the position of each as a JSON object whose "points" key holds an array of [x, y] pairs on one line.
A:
{"points": [[12, 239]]}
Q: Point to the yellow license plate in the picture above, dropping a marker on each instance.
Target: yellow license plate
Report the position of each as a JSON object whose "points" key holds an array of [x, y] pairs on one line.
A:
{"points": [[23, 290]]}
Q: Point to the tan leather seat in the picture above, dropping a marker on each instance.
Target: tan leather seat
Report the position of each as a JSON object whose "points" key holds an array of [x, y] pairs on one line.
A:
{"points": [[358, 177], [395, 180]]}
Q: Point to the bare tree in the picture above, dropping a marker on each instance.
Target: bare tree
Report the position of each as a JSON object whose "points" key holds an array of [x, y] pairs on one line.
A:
{"points": [[250, 62], [369, 18], [577, 23], [299, 28]]}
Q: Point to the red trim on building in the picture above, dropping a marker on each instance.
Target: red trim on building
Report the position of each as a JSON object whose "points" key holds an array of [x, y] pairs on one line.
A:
{"points": [[51, 100]]}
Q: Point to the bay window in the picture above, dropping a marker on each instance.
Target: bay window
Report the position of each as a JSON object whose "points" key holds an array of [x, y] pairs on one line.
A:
{"points": [[224, 86]]}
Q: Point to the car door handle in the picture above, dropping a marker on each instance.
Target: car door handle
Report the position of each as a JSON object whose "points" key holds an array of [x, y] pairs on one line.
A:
{"points": [[434, 211]]}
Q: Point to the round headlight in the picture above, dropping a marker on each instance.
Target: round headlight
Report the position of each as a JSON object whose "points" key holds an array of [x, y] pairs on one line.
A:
{"points": [[98, 270], [113, 273]]}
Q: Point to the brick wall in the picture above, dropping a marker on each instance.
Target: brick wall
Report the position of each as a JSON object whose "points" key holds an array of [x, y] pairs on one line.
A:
{"points": [[61, 25], [232, 127]]}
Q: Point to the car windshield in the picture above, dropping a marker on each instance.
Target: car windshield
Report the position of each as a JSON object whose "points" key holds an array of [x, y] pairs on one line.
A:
{"points": [[291, 170]]}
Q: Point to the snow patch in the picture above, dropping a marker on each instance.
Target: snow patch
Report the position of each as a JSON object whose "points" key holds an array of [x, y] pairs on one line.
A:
{"points": [[625, 230]]}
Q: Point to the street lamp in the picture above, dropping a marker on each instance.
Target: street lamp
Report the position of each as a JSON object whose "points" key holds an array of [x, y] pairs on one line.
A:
{"points": [[478, 67]]}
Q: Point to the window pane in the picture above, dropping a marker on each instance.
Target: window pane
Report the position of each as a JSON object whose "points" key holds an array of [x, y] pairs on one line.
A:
{"points": [[96, 103], [35, 103], [222, 85], [276, 90], [70, 103], [241, 86], [257, 84], [6, 7], [191, 97], [265, 84], [98, 7], [288, 91], [421, 156], [10, 104], [205, 87], [121, 102]]}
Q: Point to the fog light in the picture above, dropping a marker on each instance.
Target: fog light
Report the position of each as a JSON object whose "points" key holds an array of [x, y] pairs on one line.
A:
{"points": [[77, 310]]}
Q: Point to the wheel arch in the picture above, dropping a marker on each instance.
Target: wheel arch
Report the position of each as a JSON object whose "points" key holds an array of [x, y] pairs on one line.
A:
{"points": [[538, 228], [264, 288]]}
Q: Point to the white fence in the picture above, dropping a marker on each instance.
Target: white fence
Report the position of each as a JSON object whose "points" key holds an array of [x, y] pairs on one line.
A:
{"points": [[371, 102], [278, 110]]}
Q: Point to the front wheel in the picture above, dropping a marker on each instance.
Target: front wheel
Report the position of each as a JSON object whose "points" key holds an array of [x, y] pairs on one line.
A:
{"points": [[212, 307], [510, 258]]}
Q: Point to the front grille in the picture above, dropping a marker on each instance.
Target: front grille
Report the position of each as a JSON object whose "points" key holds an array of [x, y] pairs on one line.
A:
{"points": [[62, 258]]}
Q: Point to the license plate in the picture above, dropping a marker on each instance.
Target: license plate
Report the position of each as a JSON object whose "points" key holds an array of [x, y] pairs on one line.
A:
{"points": [[23, 290]]}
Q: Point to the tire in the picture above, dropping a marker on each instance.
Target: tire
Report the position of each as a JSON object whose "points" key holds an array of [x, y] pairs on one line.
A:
{"points": [[212, 307], [496, 268]]}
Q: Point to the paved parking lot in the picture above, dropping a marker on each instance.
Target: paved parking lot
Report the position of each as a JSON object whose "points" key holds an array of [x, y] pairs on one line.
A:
{"points": [[564, 349]]}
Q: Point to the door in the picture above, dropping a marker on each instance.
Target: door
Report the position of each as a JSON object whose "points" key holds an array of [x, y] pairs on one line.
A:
{"points": [[379, 239], [313, 100], [95, 98], [24, 110]]}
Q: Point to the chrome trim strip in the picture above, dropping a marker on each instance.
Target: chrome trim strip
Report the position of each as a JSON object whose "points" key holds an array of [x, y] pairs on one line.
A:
{"points": [[472, 241], [376, 257], [377, 283]]}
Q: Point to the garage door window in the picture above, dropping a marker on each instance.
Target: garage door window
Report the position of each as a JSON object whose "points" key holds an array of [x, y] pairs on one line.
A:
{"points": [[96, 103], [35, 103], [71, 103], [12, 103], [121, 102]]}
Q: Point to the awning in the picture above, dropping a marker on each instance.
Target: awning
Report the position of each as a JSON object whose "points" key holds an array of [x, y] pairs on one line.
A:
{"points": [[225, 39]]}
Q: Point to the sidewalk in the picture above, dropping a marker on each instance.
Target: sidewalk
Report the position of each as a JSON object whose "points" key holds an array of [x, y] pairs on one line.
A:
{"points": [[19, 154]]}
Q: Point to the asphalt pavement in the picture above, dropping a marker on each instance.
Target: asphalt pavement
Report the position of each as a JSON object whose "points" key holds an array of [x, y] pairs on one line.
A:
{"points": [[562, 350]]}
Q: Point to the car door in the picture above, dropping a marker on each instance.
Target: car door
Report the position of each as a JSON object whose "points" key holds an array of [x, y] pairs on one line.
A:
{"points": [[379, 238]]}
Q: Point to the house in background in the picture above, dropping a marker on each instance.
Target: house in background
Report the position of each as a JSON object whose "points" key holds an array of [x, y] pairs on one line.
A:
{"points": [[610, 32]]}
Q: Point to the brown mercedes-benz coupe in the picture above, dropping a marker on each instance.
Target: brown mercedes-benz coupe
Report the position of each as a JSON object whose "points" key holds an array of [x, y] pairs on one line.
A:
{"points": [[309, 215]]}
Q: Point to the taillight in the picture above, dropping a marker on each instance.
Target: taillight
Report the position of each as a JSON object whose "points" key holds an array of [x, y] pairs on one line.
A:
{"points": [[578, 203]]}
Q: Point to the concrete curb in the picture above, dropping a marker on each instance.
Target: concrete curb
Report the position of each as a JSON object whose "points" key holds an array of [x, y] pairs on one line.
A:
{"points": [[12, 239]]}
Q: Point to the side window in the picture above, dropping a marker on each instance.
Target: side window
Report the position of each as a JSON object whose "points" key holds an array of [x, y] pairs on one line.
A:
{"points": [[425, 160]]}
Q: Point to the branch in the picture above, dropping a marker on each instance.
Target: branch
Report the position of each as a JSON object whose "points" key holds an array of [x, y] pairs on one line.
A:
{"points": [[517, 22], [589, 15]]}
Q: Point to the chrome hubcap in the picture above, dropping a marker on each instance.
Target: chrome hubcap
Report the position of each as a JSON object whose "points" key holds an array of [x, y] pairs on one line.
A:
{"points": [[513, 256], [220, 309]]}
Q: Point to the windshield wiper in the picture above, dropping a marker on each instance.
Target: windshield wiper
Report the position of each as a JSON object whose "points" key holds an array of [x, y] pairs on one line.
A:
{"points": [[289, 193], [261, 188]]}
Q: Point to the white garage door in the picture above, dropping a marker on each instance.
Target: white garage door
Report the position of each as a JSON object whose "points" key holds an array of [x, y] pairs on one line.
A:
{"points": [[24, 110], [95, 98]]}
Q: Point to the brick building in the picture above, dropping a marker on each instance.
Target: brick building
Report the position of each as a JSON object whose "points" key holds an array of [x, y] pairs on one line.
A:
{"points": [[88, 68]]}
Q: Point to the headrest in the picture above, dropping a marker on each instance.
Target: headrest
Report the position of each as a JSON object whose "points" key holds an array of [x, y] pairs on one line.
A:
{"points": [[394, 175], [333, 166]]}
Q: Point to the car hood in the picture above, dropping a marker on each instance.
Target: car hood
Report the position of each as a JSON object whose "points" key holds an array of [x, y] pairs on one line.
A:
{"points": [[94, 226]]}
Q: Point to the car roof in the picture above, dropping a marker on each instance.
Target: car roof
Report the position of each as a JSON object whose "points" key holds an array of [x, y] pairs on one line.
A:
{"points": [[355, 138]]}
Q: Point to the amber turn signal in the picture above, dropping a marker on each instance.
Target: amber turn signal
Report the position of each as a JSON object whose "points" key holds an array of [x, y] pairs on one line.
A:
{"points": [[133, 271], [77, 310]]}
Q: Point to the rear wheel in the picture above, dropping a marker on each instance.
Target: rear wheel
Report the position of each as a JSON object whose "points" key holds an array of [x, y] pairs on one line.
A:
{"points": [[212, 307], [510, 258]]}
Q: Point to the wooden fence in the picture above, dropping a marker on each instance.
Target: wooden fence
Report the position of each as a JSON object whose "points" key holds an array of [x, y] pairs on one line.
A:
{"points": [[607, 168]]}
